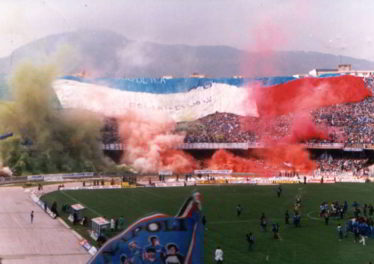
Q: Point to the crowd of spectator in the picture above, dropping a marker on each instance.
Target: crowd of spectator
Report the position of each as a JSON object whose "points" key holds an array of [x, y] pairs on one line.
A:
{"points": [[218, 128], [357, 166], [350, 123]]}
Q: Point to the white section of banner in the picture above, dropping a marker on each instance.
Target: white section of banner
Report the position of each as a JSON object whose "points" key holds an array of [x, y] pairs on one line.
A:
{"points": [[186, 106]]}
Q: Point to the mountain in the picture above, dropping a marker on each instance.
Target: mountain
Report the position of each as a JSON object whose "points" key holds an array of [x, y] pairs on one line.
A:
{"points": [[108, 54]]}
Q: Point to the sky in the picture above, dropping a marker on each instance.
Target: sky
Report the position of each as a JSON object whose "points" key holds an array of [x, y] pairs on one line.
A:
{"points": [[342, 27]]}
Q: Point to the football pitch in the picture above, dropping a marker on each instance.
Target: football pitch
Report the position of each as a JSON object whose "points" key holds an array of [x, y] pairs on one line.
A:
{"points": [[313, 242]]}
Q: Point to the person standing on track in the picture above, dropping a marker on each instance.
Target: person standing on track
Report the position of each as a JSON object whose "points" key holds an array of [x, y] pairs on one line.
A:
{"points": [[32, 217]]}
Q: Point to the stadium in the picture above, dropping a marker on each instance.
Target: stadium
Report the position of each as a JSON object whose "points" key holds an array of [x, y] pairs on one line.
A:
{"points": [[186, 132], [211, 117], [229, 149], [258, 150]]}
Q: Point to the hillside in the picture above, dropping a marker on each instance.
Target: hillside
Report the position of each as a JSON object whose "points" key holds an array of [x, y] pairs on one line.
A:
{"points": [[108, 54]]}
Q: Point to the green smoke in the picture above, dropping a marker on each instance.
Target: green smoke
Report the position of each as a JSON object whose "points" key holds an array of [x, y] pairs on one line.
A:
{"points": [[47, 139], [4, 89]]}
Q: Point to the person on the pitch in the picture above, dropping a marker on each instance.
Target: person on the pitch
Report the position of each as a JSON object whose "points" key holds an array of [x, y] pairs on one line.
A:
{"points": [[275, 230], [218, 255], [356, 233], [204, 222], [238, 210], [326, 216], [296, 219], [251, 240], [286, 217], [371, 210], [263, 222], [279, 191], [362, 240], [340, 232]]}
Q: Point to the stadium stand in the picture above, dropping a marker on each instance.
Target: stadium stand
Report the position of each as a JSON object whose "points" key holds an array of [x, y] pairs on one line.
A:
{"points": [[349, 145]]}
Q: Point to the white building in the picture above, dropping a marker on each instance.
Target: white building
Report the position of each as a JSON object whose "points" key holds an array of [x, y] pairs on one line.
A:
{"points": [[341, 70]]}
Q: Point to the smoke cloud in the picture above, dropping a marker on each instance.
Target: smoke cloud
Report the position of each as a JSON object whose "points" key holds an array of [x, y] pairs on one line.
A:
{"points": [[150, 143], [285, 122], [46, 139], [150, 140]]}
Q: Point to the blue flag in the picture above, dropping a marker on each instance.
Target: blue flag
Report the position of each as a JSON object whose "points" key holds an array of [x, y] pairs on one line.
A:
{"points": [[158, 239]]}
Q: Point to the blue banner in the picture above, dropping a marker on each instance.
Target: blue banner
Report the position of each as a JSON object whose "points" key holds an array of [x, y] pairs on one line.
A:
{"points": [[158, 239]]}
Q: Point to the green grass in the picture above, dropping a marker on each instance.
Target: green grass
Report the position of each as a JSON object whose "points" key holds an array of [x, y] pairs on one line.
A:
{"points": [[313, 243]]}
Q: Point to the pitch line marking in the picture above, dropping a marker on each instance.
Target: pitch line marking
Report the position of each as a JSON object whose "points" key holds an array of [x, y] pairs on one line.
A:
{"points": [[312, 217]]}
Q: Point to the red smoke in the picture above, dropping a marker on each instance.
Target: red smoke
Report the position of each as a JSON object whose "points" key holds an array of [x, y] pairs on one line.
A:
{"points": [[294, 100], [268, 37], [288, 157], [150, 144], [308, 94], [285, 122], [268, 161], [224, 160], [178, 161], [150, 141], [304, 129]]}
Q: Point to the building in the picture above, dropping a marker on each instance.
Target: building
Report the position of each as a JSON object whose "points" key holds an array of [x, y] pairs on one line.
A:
{"points": [[345, 67], [168, 77], [341, 70], [319, 72], [197, 75]]}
